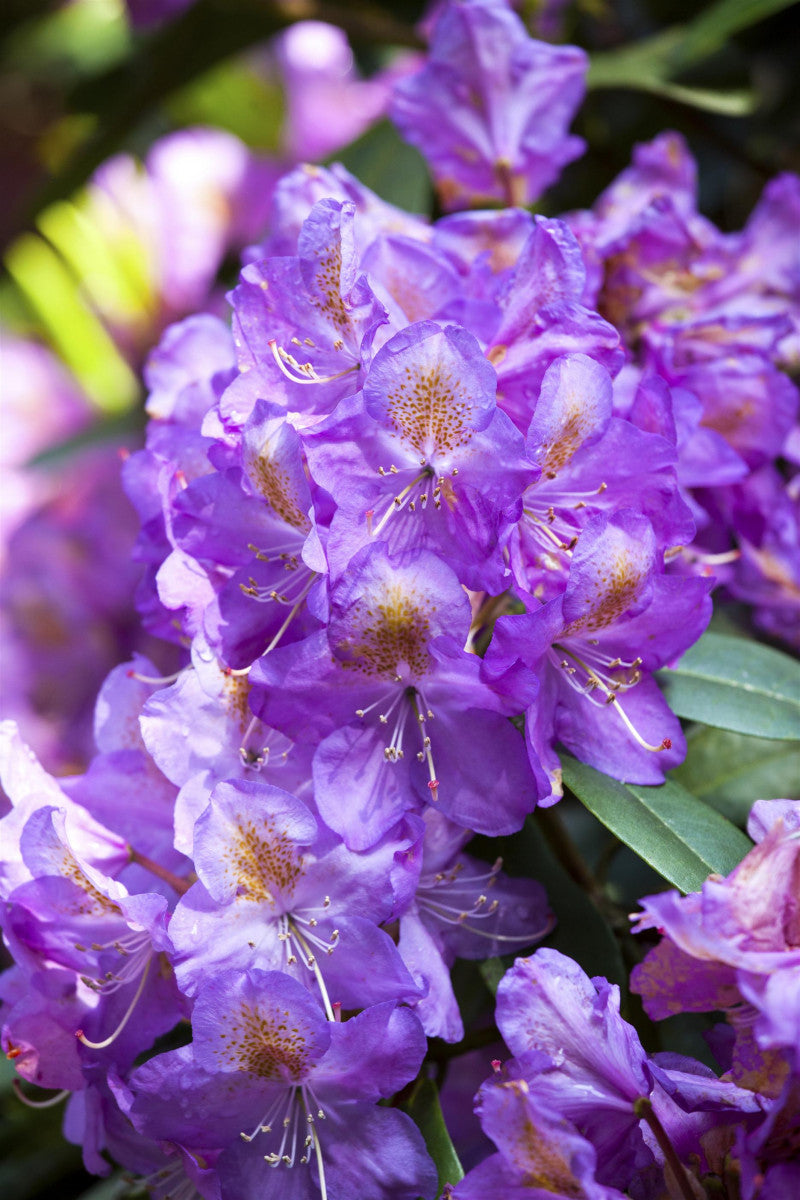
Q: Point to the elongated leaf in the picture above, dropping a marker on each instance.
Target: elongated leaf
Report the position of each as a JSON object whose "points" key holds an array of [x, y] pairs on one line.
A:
{"points": [[713, 26], [423, 1107], [738, 102], [738, 685], [729, 770], [49, 287], [678, 835], [653, 63]]}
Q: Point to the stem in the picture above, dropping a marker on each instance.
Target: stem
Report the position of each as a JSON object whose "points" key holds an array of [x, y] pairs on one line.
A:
{"points": [[643, 1109], [512, 183], [181, 886], [567, 852]]}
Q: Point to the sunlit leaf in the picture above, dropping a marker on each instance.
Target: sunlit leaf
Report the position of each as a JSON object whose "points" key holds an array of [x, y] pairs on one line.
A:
{"points": [[235, 96], [736, 684], [682, 838], [76, 334]]}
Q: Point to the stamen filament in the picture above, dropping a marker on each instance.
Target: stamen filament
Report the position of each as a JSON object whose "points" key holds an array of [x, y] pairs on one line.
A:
{"points": [[159, 680], [304, 373], [397, 501], [128, 1014], [597, 681], [26, 1100], [320, 1167], [292, 614], [314, 966]]}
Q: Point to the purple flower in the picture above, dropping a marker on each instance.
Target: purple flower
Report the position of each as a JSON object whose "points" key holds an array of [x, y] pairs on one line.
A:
{"points": [[251, 529], [764, 514], [540, 1153], [734, 946], [298, 192], [396, 707], [590, 461], [304, 325], [584, 1063], [541, 317], [278, 891], [592, 650], [595, 1067], [327, 105], [289, 1097], [201, 731], [491, 106], [415, 464]]}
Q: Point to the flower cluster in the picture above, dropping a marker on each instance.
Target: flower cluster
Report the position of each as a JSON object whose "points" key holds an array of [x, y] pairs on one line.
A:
{"points": [[714, 317], [582, 1110], [439, 499]]}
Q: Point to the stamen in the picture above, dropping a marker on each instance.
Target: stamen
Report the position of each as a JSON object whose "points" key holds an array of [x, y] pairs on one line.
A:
{"points": [[425, 755], [170, 1183], [157, 680], [305, 373], [271, 595], [266, 1122], [129, 1012], [665, 744], [397, 502], [597, 681], [26, 1100], [292, 614], [320, 1166], [311, 963]]}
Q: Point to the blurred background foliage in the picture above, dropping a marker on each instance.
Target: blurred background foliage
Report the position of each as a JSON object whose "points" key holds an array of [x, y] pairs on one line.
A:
{"points": [[79, 84]]}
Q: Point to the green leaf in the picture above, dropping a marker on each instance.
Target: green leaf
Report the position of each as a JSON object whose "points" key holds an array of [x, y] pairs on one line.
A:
{"points": [[492, 971], [711, 28], [381, 160], [423, 1107], [678, 835], [738, 685], [234, 95], [74, 331], [179, 52], [730, 770], [652, 64], [736, 103]]}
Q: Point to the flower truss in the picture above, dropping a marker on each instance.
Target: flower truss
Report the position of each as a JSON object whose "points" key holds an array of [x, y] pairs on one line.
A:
{"points": [[434, 504]]}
